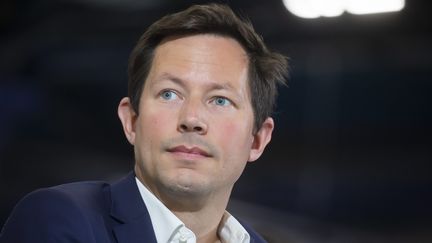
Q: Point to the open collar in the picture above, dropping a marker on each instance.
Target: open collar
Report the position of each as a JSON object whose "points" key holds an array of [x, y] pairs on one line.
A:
{"points": [[128, 209], [133, 223]]}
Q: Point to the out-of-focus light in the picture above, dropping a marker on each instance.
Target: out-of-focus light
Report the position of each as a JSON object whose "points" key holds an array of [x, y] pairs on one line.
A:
{"points": [[333, 8], [330, 8], [374, 6], [303, 9]]}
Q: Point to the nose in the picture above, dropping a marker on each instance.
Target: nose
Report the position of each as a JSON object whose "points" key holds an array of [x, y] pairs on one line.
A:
{"points": [[192, 119]]}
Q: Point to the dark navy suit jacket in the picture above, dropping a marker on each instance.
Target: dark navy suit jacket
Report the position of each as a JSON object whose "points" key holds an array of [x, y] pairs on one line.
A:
{"points": [[84, 212]]}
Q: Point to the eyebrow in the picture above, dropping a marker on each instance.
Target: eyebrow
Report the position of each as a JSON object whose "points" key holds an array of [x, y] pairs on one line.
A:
{"points": [[179, 81], [167, 76]]}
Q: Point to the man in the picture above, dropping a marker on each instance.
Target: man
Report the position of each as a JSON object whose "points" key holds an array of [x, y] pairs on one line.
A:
{"points": [[202, 86]]}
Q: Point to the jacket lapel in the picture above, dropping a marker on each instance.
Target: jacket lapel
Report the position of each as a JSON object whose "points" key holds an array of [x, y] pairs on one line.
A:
{"points": [[132, 222], [130, 213]]}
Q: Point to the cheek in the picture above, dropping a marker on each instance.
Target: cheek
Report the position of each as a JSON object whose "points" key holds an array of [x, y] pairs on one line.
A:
{"points": [[152, 129], [156, 122], [228, 129], [234, 135], [235, 141]]}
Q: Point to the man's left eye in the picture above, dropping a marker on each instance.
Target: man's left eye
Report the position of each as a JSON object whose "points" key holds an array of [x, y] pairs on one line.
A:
{"points": [[221, 101]]}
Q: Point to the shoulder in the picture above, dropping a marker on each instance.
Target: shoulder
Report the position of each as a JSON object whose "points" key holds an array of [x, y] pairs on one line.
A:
{"points": [[73, 195], [87, 195], [56, 210]]}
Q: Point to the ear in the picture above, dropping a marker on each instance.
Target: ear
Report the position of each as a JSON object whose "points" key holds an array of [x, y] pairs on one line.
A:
{"points": [[261, 139], [127, 117]]}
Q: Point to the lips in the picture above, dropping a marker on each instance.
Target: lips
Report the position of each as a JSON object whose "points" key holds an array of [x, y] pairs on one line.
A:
{"points": [[193, 151]]}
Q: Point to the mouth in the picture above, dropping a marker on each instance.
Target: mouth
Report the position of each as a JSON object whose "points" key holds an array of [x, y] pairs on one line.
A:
{"points": [[190, 152]]}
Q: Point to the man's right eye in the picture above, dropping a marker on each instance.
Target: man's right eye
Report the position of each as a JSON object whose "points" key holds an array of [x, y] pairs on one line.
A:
{"points": [[168, 95]]}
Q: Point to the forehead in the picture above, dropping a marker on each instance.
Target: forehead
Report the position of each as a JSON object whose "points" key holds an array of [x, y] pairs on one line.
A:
{"points": [[204, 57], [203, 41]]}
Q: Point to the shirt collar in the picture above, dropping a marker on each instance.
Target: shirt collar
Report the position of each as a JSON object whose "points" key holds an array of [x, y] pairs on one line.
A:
{"points": [[167, 226], [164, 222], [230, 230]]}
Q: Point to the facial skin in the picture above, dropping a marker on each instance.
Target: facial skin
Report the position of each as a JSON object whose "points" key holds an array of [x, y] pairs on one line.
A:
{"points": [[194, 132]]}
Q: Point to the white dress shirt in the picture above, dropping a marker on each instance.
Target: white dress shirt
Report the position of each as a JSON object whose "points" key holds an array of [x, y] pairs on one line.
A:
{"points": [[170, 229]]}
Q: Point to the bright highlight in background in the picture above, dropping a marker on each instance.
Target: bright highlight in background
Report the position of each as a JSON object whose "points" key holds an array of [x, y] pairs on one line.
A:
{"points": [[333, 8], [374, 6]]}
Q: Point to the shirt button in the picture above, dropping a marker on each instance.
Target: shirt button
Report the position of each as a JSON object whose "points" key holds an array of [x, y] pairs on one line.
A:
{"points": [[182, 239]]}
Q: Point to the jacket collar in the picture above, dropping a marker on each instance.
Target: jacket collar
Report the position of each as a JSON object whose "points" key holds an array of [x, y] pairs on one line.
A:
{"points": [[134, 223], [129, 210]]}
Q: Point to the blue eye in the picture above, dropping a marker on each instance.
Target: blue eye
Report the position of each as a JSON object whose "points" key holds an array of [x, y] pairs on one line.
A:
{"points": [[168, 95], [222, 101]]}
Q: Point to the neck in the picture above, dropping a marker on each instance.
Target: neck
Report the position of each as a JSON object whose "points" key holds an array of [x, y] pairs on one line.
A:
{"points": [[204, 224], [203, 220], [201, 214]]}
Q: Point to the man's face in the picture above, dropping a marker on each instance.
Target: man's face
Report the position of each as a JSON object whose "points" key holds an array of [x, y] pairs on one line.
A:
{"points": [[194, 132]]}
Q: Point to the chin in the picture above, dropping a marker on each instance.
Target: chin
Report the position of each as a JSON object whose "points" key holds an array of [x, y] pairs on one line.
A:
{"points": [[190, 187]]}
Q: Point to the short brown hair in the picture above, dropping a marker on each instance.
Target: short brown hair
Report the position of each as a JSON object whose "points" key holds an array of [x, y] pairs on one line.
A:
{"points": [[266, 69]]}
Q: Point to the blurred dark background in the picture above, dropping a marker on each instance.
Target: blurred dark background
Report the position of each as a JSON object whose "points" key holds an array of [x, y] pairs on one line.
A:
{"points": [[350, 159]]}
